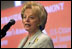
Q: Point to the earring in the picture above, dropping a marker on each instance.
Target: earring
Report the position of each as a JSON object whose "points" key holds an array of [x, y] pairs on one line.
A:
{"points": [[38, 25]]}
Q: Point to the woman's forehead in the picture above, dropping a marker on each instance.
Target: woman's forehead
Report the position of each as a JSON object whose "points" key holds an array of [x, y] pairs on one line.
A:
{"points": [[29, 12]]}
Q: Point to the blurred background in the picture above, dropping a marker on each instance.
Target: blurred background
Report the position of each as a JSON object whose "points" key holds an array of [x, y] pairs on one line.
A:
{"points": [[58, 25], [9, 4]]}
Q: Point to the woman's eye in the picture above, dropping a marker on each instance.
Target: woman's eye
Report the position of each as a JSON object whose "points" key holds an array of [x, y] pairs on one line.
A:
{"points": [[24, 16], [32, 17]]}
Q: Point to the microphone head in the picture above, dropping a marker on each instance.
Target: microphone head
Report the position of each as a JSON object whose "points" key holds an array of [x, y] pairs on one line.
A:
{"points": [[12, 21]]}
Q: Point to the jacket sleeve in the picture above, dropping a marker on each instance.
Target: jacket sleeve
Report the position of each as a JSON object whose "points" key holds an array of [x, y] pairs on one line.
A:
{"points": [[21, 43], [47, 43]]}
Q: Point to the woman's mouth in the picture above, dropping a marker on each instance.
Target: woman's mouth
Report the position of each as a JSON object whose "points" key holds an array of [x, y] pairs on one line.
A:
{"points": [[27, 25]]}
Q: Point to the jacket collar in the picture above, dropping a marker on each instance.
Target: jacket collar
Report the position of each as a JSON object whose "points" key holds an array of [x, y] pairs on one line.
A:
{"points": [[33, 38]]}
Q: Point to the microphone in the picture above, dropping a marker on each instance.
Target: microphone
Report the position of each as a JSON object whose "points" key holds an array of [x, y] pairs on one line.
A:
{"points": [[7, 27]]}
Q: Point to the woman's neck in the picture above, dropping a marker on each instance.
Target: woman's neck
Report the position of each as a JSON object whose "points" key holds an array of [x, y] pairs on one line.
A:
{"points": [[31, 33]]}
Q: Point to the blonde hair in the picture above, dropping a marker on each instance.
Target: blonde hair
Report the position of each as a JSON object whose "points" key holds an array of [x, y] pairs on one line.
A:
{"points": [[38, 10]]}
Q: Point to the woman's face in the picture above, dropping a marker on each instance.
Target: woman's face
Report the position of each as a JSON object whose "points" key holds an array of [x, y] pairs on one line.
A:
{"points": [[30, 21]]}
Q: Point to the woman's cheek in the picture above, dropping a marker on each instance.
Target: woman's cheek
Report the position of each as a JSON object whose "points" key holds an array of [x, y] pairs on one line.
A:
{"points": [[34, 24], [23, 23]]}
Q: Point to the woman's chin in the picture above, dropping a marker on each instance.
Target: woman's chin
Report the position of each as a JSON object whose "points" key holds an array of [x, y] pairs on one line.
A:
{"points": [[27, 29]]}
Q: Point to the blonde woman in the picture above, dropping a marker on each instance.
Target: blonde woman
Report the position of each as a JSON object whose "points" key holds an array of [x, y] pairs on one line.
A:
{"points": [[34, 17]]}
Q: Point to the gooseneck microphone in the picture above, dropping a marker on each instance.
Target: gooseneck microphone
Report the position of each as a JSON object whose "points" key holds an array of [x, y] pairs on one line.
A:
{"points": [[7, 27]]}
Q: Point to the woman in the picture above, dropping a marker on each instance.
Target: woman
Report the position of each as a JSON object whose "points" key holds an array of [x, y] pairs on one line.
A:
{"points": [[34, 17]]}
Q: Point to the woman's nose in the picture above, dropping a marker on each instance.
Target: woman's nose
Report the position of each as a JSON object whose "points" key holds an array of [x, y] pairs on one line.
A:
{"points": [[27, 20]]}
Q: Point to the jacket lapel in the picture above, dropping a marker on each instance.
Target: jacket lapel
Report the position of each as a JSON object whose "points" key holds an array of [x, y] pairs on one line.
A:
{"points": [[33, 39]]}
